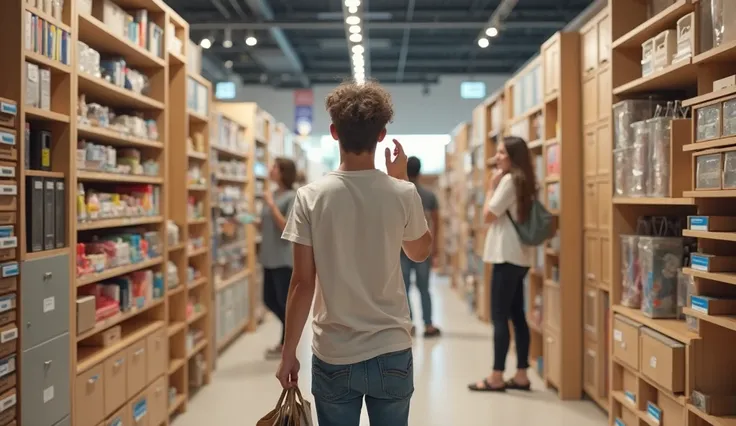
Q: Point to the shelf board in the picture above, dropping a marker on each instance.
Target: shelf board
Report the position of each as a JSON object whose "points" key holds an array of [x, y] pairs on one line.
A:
{"points": [[724, 53], [673, 328], [195, 187], [709, 97], [718, 193], [535, 144], [118, 222], [89, 176], [722, 277], [654, 201], [175, 327], [100, 134], [677, 76], [664, 20], [231, 179], [552, 178], [197, 221], [173, 291], [725, 321], [33, 113], [175, 364], [177, 403], [712, 420], [96, 35], [197, 155], [48, 18], [196, 283], [721, 236], [115, 272], [46, 253], [197, 117], [221, 285], [178, 58], [197, 316], [197, 251], [53, 65], [551, 283], [88, 357], [197, 348], [117, 319], [715, 143], [229, 152], [42, 173], [109, 94], [177, 246]]}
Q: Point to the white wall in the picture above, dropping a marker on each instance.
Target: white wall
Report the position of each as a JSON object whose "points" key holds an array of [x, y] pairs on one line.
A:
{"points": [[416, 114]]}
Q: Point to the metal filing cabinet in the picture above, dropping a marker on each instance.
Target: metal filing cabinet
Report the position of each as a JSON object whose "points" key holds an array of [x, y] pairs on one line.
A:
{"points": [[66, 422], [45, 398], [44, 300]]}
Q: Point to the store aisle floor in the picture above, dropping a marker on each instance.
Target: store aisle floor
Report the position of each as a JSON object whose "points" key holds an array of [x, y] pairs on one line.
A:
{"points": [[244, 388]]}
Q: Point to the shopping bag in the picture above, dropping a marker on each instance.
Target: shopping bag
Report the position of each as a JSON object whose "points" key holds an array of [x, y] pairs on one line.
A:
{"points": [[291, 410]]}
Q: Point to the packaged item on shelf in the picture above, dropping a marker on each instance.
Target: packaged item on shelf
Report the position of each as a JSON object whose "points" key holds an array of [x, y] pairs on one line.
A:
{"points": [[8, 112], [640, 160], [197, 370], [708, 169], [630, 272], [39, 149], [172, 274], [647, 57], [721, 405], [665, 48], [33, 85], [621, 171], [174, 43], [659, 167], [88, 60], [35, 207], [660, 258], [195, 176], [729, 170], [172, 232], [195, 208], [685, 37], [713, 305], [729, 118], [723, 17], [624, 114], [708, 123], [553, 160]]}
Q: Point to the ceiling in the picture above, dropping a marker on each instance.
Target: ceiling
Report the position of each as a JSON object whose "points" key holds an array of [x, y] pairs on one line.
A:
{"points": [[303, 42]]}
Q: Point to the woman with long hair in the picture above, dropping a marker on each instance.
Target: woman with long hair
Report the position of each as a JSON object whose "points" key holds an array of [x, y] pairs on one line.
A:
{"points": [[275, 253], [511, 193]]}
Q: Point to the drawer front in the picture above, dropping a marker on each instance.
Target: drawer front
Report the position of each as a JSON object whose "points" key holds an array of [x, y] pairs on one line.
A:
{"points": [[45, 301], [139, 412], [590, 207], [604, 156], [590, 313], [604, 39], [552, 358], [137, 372], [662, 363], [116, 379], [604, 94], [590, 155], [591, 259], [590, 101], [157, 402], [45, 383], [90, 396], [605, 261], [603, 192], [66, 421], [158, 353], [591, 371], [629, 417], [552, 305], [626, 343], [120, 417], [590, 49], [673, 414]]}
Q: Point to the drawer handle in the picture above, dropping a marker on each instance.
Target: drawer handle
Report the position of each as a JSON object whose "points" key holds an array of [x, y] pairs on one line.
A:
{"points": [[47, 364], [591, 293], [159, 389], [119, 362], [591, 353], [623, 345], [139, 352], [92, 380], [591, 276], [550, 340], [47, 275]]}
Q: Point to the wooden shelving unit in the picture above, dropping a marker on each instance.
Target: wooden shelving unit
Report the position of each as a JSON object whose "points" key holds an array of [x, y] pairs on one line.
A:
{"points": [[456, 217]]}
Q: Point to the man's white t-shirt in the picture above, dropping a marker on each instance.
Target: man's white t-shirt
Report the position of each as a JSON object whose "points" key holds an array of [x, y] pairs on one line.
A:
{"points": [[356, 222], [502, 243]]}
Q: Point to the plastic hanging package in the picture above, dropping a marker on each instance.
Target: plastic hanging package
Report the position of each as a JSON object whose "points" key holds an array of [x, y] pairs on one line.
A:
{"points": [[630, 273], [660, 259], [622, 171], [640, 160], [685, 288], [624, 114], [659, 167]]}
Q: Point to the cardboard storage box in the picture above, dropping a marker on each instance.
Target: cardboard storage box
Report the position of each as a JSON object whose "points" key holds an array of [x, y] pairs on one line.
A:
{"points": [[8, 112], [662, 360], [121, 417], [626, 341], [8, 402], [8, 339], [713, 305], [8, 150], [711, 223], [712, 263], [8, 195], [85, 313], [715, 405], [105, 338]]}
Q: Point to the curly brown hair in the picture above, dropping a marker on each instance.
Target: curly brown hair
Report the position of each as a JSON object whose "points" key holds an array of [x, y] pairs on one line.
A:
{"points": [[359, 112], [287, 170]]}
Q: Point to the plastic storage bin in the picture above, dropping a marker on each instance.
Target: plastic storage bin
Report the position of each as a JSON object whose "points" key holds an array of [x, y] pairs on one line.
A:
{"points": [[708, 123], [685, 37], [685, 287], [665, 48], [659, 167], [625, 113], [630, 272], [708, 169], [723, 16], [640, 160], [660, 258], [729, 170], [622, 171], [729, 118], [647, 57]]}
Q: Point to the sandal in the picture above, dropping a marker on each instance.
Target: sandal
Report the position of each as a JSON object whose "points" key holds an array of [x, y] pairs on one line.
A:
{"points": [[432, 332], [486, 387], [511, 384]]}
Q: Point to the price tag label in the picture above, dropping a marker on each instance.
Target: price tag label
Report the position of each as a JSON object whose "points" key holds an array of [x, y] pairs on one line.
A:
{"points": [[618, 336], [48, 394], [653, 362], [49, 304]]}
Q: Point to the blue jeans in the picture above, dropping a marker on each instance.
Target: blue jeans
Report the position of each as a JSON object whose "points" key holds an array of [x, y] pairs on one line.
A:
{"points": [[386, 382], [421, 273]]}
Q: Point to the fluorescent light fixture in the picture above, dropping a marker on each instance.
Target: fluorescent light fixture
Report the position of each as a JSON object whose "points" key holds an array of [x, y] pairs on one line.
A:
{"points": [[483, 42], [251, 41], [349, 3], [492, 32], [354, 29], [358, 48], [352, 20], [206, 43]]}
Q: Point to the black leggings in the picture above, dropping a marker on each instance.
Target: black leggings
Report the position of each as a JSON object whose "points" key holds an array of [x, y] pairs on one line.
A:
{"points": [[507, 303], [275, 291]]}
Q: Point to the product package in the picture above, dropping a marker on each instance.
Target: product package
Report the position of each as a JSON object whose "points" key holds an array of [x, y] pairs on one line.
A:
{"points": [[708, 171], [708, 123], [660, 259], [630, 272], [659, 167], [624, 114], [640, 160]]}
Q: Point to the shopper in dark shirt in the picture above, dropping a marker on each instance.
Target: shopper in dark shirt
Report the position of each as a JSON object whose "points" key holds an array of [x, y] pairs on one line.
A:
{"points": [[422, 269]]}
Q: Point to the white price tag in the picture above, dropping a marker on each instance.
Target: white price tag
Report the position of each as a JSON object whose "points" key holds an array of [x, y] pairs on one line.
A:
{"points": [[618, 335], [48, 394], [6, 305], [9, 335], [49, 304], [7, 402], [653, 362]]}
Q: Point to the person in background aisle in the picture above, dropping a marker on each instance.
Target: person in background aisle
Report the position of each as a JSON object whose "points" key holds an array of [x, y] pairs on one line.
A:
{"points": [[348, 228], [512, 190], [275, 253], [422, 270]]}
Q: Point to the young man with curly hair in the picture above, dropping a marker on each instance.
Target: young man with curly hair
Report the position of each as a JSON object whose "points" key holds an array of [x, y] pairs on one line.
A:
{"points": [[348, 230]]}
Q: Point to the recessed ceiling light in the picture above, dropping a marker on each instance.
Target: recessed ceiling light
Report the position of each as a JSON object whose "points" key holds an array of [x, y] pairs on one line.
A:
{"points": [[349, 3], [492, 32], [483, 42], [353, 9], [227, 44], [354, 29], [356, 38], [206, 43], [251, 41], [228, 64], [358, 48], [352, 20]]}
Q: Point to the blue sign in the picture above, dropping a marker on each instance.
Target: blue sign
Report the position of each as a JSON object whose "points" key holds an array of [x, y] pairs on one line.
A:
{"points": [[303, 119]]}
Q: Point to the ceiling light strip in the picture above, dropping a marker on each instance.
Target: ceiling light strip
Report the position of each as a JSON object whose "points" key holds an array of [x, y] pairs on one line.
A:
{"points": [[356, 38], [502, 11]]}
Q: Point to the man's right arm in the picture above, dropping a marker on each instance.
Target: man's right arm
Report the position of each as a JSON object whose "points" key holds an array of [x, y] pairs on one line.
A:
{"points": [[417, 238]]}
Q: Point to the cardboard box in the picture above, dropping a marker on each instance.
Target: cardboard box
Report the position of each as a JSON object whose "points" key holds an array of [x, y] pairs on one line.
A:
{"points": [[8, 339], [8, 277], [45, 89], [713, 305], [112, 15], [8, 112], [715, 405], [106, 338], [8, 148], [712, 263], [85, 313], [33, 85], [724, 83], [711, 223]]}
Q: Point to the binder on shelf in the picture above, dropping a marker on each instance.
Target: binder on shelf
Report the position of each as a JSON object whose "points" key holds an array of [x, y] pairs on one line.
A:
{"points": [[34, 210], [49, 228], [40, 150], [60, 213]]}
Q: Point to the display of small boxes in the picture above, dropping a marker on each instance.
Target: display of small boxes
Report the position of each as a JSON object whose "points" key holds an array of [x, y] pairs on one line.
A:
{"points": [[713, 305], [685, 37], [8, 150], [647, 57], [8, 112], [729, 169], [712, 263], [33, 85], [708, 122], [112, 15], [708, 169], [729, 118], [665, 47], [712, 223]]}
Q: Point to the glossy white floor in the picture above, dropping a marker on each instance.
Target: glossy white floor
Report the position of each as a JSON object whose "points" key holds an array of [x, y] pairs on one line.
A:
{"points": [[244, 388]]}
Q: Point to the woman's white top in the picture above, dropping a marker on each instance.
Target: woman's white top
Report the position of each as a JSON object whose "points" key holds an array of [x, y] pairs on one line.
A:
{"points": [[502, 241]]}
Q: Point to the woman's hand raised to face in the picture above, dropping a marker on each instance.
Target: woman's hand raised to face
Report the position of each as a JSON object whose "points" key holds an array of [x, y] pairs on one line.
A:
{"points": [[397, 167]]}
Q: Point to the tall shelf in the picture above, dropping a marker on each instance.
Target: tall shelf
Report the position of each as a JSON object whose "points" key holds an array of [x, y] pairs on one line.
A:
{"points": [[458, 197]]}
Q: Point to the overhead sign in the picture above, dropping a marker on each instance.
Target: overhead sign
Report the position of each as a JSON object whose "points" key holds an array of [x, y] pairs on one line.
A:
{"points": [[303, 103], [472, 90], [225, 90]]}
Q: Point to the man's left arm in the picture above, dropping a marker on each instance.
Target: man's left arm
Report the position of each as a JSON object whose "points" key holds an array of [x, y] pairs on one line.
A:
{"points": [[434, 214]]}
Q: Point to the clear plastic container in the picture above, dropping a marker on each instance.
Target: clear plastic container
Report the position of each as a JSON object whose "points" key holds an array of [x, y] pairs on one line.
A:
{"points": [[729, 170], [622, 171], [723, 15], [708, 123], [685, 37], [630, 273], [625, 113], [659, 167], [640, 160], [685, 287], [665, 48], [729, 118], [708, 171], [647, 57], [660, 259]]}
